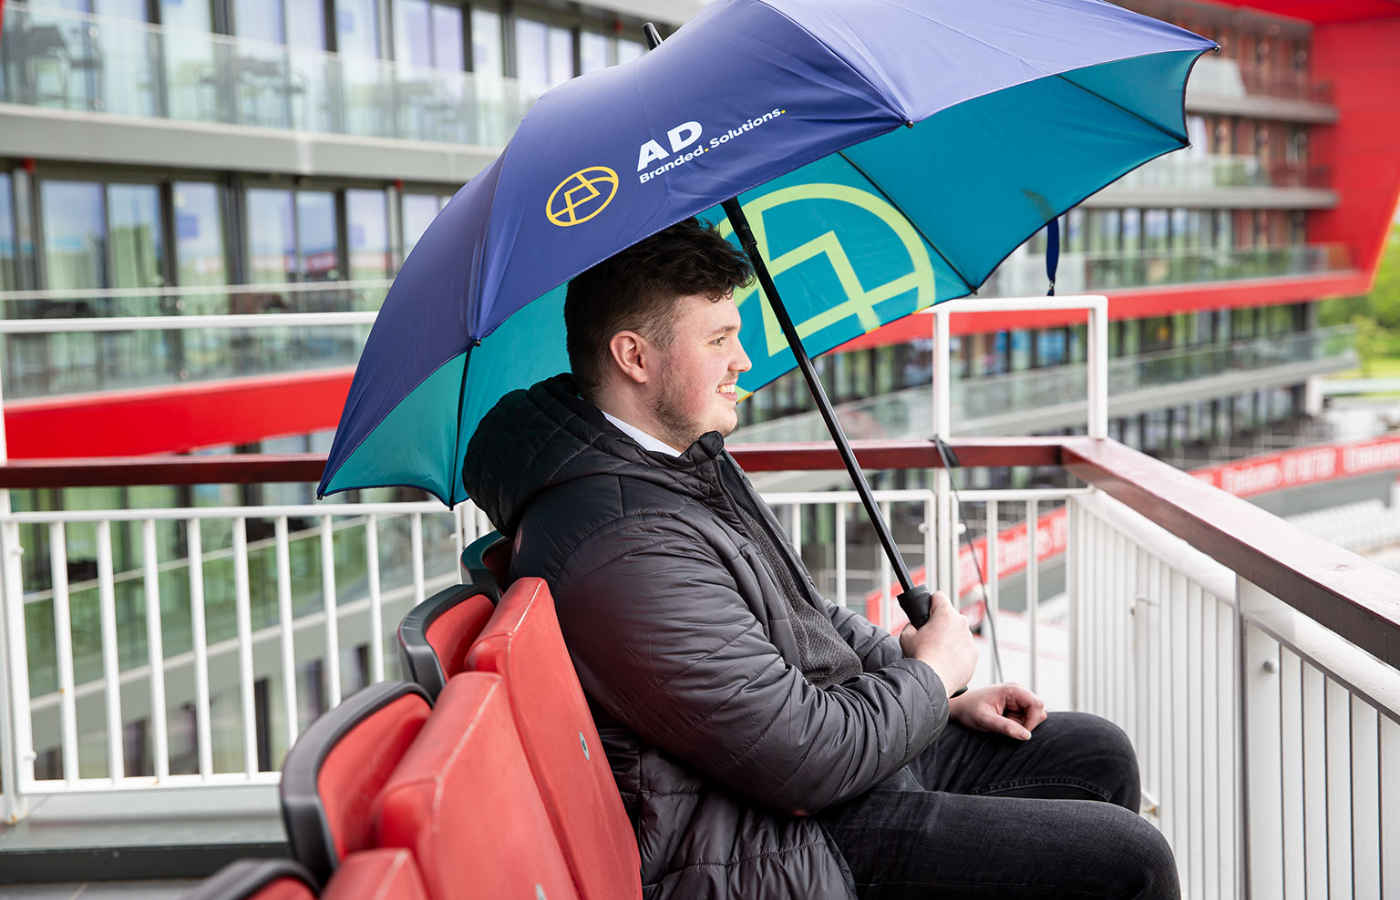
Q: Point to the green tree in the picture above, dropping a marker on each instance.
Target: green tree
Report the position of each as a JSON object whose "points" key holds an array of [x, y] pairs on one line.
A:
{"points": [[1382, 304]]}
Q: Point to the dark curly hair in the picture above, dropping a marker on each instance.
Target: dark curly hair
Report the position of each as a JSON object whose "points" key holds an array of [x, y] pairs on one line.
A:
{"points": [[636, 290]]}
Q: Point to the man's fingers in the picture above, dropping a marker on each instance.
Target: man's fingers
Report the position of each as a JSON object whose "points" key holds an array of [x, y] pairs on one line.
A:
{"points": [[1010, 728]]}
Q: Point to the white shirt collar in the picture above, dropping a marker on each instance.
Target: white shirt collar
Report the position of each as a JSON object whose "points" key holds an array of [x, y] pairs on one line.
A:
{"points": [[641, 437]]}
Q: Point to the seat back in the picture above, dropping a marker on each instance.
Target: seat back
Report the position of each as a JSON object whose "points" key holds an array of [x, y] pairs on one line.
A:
{"points": [[522, 643], [487, 563], [388, 874], [464, 802], [338, 766], [435, 635], [256, 879]]}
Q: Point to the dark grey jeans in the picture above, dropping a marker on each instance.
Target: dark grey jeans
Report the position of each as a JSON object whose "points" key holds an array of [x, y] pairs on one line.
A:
{"points": [[981, 815]]}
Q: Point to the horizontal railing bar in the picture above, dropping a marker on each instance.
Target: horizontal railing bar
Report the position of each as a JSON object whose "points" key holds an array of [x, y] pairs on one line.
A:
{"points": [[1347, 594], [911, 495], [184, 323], [197, 290], [145, 782], [251, 468], [224, 512]]}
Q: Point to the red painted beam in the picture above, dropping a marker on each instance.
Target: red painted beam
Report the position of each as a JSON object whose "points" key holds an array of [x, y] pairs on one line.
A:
{"points": [[176, 419]]}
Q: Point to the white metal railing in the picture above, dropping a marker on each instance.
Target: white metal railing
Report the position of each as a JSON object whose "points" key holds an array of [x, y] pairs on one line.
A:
{"points": [[83, 722], [1269, 746]]}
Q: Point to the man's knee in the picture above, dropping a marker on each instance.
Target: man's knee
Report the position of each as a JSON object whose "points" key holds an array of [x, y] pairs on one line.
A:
{"points": [[1105, 754], [1142, 860]]}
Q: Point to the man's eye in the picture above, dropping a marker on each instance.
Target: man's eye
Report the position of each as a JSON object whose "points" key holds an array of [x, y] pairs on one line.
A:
{"points": [[718, 340]]}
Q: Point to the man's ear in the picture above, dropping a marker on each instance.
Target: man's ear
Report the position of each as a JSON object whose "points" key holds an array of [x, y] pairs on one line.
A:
{"points": [[632, 354]]}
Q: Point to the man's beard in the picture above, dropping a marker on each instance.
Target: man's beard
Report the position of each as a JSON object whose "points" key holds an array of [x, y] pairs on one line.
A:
{"points": [[680, 429]]}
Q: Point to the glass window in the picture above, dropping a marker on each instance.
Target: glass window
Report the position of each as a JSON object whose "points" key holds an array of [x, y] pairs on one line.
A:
{"points": [[488, 57], [260, 20], [593, 51], [1155, 228], [367, 213], [1103, 230], [272, 243], [1020, 350], [1052, 347], [629, 50], [544, 54], [306, 25], [413, 37], [1132, 230], [356, 28], [316, 235], [75, 234], [199, 234], [448, 50], [134, 229], [9, 275], [418, 211], [1073, 234]]}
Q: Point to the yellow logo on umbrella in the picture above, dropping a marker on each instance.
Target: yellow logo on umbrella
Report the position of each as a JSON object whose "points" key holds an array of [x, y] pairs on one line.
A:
{"points": [[581, 196]]}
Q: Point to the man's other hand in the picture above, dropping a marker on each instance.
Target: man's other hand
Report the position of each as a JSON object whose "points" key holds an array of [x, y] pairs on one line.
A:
{"points": [[945, 643], [1007, 709]]}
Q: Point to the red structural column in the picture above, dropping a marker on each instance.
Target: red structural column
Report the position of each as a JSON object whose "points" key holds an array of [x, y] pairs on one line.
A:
{"points": [[1362, 149]]}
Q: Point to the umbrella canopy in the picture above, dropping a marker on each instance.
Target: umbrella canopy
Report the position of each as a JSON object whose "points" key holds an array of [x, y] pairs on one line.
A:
{"points": [[888, 153]]}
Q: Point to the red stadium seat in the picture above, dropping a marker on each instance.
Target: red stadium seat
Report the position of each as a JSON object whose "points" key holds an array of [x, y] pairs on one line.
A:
{"points": [[256, 879], [337, 767], [377, 875], [464, 802], [523, 644], [435, 635]]}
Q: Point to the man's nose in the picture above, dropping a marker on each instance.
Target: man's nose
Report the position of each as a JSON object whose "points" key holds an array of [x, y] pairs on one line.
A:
{"points": [[742, 363]]}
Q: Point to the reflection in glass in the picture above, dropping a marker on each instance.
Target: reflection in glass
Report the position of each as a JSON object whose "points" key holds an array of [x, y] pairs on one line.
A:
{"points": [[357, 28], [593, 51], [316, 235], [487, 56], [448, 50], [260, 20], [418, 211], [189, 57], [629, 50], [367, 216], [75, 234], [199, 234], [133, 212], [544, 54], [413, 39], [272, 247]]}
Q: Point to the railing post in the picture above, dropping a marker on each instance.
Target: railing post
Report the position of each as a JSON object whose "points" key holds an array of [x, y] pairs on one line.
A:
{"points": [[1097, 354], [1261, 768], [16, 755], [943, 577]]}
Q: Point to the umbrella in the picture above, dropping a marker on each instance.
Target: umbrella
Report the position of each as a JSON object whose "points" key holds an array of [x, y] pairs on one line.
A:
{"points": [[885, 155]]}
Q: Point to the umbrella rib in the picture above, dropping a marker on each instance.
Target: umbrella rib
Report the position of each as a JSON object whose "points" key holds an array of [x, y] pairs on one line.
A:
{"points": [[1135, 115], [457, 432], [967, 283]]}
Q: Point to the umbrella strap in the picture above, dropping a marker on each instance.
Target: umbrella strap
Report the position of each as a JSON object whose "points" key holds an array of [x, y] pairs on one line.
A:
{"points": [[1052, 252]]}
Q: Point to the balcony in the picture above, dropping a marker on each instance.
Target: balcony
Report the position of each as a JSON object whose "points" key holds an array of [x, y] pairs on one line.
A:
{"points": [[1222, 85], [1024, 273], [1053, 397], [1215, 181], [144, 83], [164, 658], [65, 342], [160, 658]]}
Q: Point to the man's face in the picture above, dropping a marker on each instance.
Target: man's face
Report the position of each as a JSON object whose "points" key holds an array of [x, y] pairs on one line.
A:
{"points": [[699, 370]]}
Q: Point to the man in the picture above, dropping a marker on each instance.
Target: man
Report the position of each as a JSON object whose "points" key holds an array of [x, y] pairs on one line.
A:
{"points": [[766, 742]]}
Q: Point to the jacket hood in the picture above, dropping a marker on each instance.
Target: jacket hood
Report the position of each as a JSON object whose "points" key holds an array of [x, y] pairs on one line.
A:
{"points": [[546, 435]]}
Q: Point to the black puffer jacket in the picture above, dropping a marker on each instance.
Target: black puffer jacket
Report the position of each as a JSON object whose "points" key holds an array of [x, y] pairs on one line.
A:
{"points": [[683, 642]]}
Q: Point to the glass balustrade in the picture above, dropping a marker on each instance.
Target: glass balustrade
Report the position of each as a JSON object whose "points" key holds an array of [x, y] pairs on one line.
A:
{"points": [[74, 361], [1023, 274], [910, 412], [62, 60]]}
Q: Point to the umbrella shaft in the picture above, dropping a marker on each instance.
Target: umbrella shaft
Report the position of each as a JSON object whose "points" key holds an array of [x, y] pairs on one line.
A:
{"points": [[809, 372]]}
